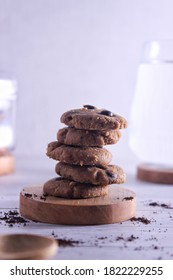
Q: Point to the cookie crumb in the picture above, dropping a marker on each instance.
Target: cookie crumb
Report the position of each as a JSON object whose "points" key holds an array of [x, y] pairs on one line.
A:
{"points": [[67, 242], [163, 205], [132, 238], [12, 217], [140, 219]]}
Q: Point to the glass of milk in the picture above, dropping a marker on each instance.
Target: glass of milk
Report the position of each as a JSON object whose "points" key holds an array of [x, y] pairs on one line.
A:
{"points": [[151, 124], [8, 88]]}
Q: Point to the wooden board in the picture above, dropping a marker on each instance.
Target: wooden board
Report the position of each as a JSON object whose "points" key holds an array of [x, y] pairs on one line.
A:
{"points": [[155, 173], [7, 164], [119, 205]]}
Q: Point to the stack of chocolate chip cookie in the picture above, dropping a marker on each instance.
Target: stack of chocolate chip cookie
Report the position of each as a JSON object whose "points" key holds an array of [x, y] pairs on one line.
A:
{"points": [[83, 165]]}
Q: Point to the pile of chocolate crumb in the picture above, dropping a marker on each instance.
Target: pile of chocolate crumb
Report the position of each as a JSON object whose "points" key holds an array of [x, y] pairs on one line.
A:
{"points": [[67, 242], [63, 242], [12, 217], [141, 220]]}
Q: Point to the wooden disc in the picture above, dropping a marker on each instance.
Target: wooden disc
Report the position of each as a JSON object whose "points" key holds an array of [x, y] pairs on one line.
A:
{"points": [[26, 247], [119, 205], [7, 164], [155, 173]]}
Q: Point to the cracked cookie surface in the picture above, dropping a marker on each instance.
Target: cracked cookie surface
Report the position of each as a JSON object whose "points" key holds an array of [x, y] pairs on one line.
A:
{"points": [[79, 155], [92, 138], [60, 187], [110, 174], [92, 118]]}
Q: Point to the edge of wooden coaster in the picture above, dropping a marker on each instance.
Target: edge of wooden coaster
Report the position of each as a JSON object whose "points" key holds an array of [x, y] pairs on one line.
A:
{"points": [[118, 206], [7, 164], [155, 173]]}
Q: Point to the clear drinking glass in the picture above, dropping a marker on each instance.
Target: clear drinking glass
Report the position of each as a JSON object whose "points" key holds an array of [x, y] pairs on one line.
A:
{"points": [[151, 126], [8, 88]]}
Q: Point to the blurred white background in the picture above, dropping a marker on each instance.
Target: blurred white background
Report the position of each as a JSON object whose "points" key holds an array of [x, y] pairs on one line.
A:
{"points": [[66, 53]]}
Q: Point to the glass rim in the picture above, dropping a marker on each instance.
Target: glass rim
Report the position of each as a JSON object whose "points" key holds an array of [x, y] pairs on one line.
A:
{"points": [[157, 51], [8, 89]]}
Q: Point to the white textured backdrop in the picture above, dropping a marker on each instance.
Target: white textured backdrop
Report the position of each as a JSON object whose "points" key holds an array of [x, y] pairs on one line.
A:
{"points": [[66, 53]]}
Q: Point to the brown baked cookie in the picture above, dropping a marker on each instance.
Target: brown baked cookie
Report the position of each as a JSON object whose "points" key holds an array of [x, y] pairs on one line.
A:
{"points": [[81, 137], [110, 174], [61, 187], [79, 155], [89, 117]]}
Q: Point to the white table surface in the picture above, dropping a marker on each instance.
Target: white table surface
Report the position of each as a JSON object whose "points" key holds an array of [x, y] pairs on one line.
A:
{"points": [[153, 241]]}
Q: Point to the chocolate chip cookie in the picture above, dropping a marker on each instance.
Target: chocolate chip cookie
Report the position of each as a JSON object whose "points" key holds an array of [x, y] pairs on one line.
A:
{"points": [[81, 137], [68, 189], [91, 118], [110, 174], [83, 162], [79, 155]]}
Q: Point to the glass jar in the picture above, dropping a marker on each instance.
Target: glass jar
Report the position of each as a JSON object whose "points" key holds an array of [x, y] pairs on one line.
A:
{"points": [[151, 122], [8, 89]]}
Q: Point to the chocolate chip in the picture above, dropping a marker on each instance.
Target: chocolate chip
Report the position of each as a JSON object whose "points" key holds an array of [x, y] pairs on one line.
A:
{"points": [[107, 113], [69, 118], [43, 197], [29, 195], [90, 107], [128, 198], [110, 174]]}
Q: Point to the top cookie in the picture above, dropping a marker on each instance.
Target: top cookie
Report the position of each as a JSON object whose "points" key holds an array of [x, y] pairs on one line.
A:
{"points": [[91, 118]]}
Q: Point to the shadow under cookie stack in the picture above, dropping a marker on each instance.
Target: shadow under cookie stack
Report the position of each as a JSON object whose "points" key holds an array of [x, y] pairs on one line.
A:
{"points": [[83, 164]]}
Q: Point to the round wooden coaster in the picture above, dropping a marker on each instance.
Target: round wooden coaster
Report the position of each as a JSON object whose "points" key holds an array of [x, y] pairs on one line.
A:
{"points": [[119, 205], [155, 173], [7, 164]]}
